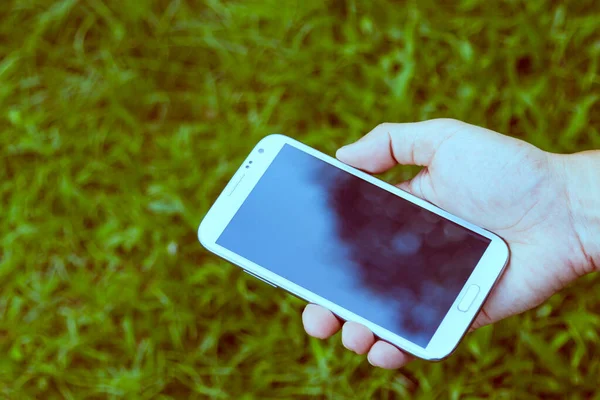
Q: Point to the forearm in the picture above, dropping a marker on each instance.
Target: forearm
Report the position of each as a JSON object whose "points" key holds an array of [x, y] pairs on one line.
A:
{"points": [[582, 187]]}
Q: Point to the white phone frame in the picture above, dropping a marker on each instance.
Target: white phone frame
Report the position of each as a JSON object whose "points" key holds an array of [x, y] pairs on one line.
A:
{"points": [[454, 325]]}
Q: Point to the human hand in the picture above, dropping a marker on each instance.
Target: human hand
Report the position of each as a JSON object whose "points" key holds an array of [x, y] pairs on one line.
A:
{"points": [[497, 182]]}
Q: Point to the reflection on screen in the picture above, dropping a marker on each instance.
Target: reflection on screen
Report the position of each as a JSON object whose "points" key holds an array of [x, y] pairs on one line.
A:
{"points": [[355, 244]]}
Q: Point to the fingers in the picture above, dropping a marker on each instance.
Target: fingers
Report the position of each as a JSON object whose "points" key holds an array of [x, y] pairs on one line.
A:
{"points": [[357, 337], [417, 187], [360, 339], [390, 144], [384, 355], [319, 322], [322, 323]]}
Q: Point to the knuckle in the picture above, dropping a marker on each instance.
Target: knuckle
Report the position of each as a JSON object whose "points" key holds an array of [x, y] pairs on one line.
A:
{"points": [[384, 126], [448, 122]]}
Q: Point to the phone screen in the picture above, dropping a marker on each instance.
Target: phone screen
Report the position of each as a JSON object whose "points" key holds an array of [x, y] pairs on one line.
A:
{"points": [[359, 246]]}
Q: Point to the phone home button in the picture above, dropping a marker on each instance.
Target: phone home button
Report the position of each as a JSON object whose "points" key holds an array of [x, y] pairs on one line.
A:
{"points": [[468, 298]]}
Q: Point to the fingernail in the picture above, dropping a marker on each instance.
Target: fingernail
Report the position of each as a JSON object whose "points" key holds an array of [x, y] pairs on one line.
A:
{"points": [[346, 346], [370, 361]]}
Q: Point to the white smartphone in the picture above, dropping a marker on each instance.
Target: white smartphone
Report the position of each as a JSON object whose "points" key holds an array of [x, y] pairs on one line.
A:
{"points": [[333, 235]]}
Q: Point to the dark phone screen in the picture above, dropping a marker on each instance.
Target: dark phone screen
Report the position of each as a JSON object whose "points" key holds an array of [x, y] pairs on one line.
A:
{"points": [[355, 244]]}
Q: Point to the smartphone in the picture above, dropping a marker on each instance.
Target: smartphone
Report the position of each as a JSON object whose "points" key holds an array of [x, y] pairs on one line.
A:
{"points": [[336, 236]]}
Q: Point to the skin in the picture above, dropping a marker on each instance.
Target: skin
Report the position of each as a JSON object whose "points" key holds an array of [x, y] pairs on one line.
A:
{"points": [[546, 206]]}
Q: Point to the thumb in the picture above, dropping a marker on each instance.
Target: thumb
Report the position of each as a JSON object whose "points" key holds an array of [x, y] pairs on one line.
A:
{"points": [[390, 144]]}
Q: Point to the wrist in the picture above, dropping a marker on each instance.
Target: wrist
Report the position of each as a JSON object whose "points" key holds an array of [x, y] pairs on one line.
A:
{"points": [[581, 178]]}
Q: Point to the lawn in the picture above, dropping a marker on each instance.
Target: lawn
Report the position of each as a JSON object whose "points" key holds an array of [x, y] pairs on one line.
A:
{"points": [[121, 121]]}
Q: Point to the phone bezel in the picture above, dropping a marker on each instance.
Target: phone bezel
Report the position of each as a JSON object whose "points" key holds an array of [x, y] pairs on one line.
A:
{"points": [[454, 325]]}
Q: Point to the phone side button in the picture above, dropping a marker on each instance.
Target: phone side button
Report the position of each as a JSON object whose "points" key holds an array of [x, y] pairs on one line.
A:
{"points": [[468, 298], [258, 277]]}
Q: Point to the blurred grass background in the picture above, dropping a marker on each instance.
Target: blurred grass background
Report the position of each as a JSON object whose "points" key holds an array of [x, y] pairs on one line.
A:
{"points": [[121, 121]]}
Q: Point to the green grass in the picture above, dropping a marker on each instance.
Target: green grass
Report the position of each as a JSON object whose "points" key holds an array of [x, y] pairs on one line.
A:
{"points": [[121, 121]]}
